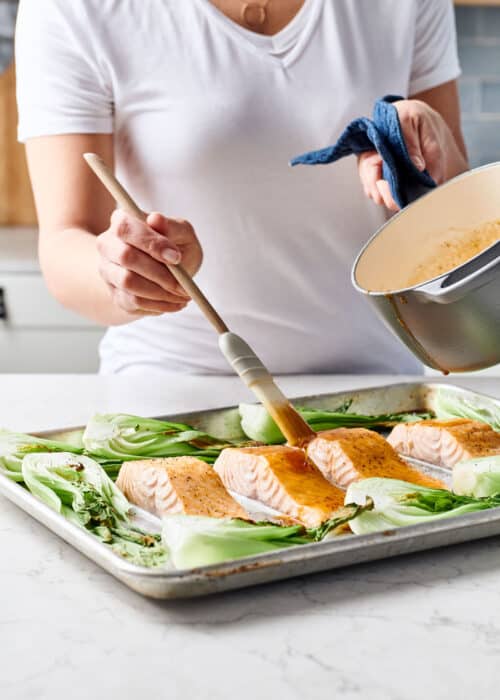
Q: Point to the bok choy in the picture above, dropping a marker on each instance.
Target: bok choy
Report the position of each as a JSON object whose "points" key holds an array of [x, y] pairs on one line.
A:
{"points": [[194, 541], [451, 404], [258, 425], [14, 446], [124, 437], [479, 477], [399, 503], [78, 488]]}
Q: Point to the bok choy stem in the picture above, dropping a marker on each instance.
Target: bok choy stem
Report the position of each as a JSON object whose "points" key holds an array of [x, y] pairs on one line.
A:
{"points": [[400, 503], [259, 426], [195, 541], [78, 488], [124, 437]]}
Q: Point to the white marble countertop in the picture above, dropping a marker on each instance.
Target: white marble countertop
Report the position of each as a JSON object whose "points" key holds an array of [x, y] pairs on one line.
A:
{"points": [[419, 626]]}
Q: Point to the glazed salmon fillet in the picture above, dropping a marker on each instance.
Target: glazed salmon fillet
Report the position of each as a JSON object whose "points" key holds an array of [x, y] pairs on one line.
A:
{"points": [[445, 442], [282, 478], [344, 455], [177, 485]]}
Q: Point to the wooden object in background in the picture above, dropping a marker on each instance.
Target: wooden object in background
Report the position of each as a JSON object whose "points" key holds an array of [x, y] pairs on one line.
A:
{"points": [[16, 200]]}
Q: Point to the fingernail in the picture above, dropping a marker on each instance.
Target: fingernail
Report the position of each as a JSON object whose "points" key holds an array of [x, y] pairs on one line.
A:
{"points": [[171, 256]]}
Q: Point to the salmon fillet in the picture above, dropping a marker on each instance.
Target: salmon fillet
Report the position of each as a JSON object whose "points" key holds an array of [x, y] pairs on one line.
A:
{"points": [[445, 442], [280, 477], [177, 485], [344, 455]]}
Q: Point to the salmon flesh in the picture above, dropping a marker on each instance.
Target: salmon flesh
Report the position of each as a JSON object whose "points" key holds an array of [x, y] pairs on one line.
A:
{"points": [[445, 442], [282, 478], [177, 485], [345, 455]]}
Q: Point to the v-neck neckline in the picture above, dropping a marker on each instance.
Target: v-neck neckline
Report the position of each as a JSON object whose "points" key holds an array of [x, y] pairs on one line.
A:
{"points": [[281, 48]]}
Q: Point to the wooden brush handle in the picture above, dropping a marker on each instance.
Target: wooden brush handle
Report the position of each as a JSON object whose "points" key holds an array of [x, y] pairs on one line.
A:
{"points": [[125, 202], [239, 354], [256, 376]]}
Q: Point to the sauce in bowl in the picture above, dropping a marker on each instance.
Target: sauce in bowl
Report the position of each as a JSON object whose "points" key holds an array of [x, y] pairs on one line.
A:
{"points": [[453, 248]]}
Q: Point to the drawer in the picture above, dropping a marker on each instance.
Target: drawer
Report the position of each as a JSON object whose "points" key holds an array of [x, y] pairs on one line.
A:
{"points": [[65, 350], [27, 303]]}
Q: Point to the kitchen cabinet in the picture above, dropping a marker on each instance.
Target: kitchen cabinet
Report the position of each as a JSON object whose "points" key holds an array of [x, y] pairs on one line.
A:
{"points": [[37, 334]]}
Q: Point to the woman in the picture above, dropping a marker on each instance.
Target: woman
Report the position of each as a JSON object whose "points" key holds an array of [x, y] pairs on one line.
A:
{"points": [[200, 104]]}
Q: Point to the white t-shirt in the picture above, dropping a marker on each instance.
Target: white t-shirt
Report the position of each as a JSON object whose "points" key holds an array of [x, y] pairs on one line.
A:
{"points": [[206, 117]]}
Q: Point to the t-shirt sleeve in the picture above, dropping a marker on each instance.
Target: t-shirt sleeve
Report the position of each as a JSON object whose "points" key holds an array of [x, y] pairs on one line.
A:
{"points": [[61, 81], [435, 56]]}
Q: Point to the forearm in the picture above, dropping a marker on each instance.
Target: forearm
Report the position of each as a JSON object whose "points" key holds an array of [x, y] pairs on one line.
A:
{"points": [[70, 264]]}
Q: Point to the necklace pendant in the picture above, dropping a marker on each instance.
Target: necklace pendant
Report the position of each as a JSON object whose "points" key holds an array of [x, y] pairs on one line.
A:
{"points": [[253, 14]]}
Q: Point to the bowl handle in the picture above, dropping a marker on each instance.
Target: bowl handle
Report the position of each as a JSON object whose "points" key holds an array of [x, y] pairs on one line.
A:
{"points": [[474, 274]]}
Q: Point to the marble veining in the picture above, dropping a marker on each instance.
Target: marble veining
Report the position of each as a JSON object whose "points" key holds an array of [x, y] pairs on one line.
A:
{"points": [[419, 626]]}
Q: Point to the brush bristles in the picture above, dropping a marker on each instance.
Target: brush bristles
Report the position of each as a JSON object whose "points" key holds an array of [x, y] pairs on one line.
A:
{"points": [[286, 417]]}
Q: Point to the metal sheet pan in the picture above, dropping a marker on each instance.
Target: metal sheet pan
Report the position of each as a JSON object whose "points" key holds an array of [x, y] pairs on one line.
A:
{"points": [[295, 561]]}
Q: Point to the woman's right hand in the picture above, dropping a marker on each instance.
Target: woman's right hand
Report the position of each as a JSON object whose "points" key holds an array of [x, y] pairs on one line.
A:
{"points": [[133, 258]]}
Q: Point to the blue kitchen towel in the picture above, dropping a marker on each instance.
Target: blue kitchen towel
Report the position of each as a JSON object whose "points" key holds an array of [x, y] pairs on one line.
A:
{"points": [[382, 133]]}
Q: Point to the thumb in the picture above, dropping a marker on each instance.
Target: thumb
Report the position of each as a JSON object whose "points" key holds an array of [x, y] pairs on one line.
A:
{"points": [[161, 225], [158, 222]]}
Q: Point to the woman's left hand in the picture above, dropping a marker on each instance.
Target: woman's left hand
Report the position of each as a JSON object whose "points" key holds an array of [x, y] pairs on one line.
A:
{"points": [[431, 146]]}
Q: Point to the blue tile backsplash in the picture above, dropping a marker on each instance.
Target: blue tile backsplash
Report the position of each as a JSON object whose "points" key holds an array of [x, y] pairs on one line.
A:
{"points": [[7, 19], [479, 48]]}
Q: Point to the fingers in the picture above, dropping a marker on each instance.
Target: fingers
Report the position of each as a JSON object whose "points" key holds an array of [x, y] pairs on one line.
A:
{"points": [[434, 159], [134, 257], [411, 122], [181, 234], [137, 295], [386, 195], [136, 285], [426, 137], [178, 231], [375, 187], [117, 246], [413, 146], [370, 172], [140, 306], [135, 233], [130, 259]]}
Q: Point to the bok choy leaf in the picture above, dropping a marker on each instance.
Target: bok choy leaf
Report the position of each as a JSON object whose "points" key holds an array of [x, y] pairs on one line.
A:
{"points": [[124, 437], [479, 477], [194, 541], [399, 503], [258, 425], [14, 446], [451, 404], [78, 488]]}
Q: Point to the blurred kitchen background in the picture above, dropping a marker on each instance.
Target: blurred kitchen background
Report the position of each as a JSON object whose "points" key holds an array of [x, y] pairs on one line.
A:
{"points": [[37, 334]]}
